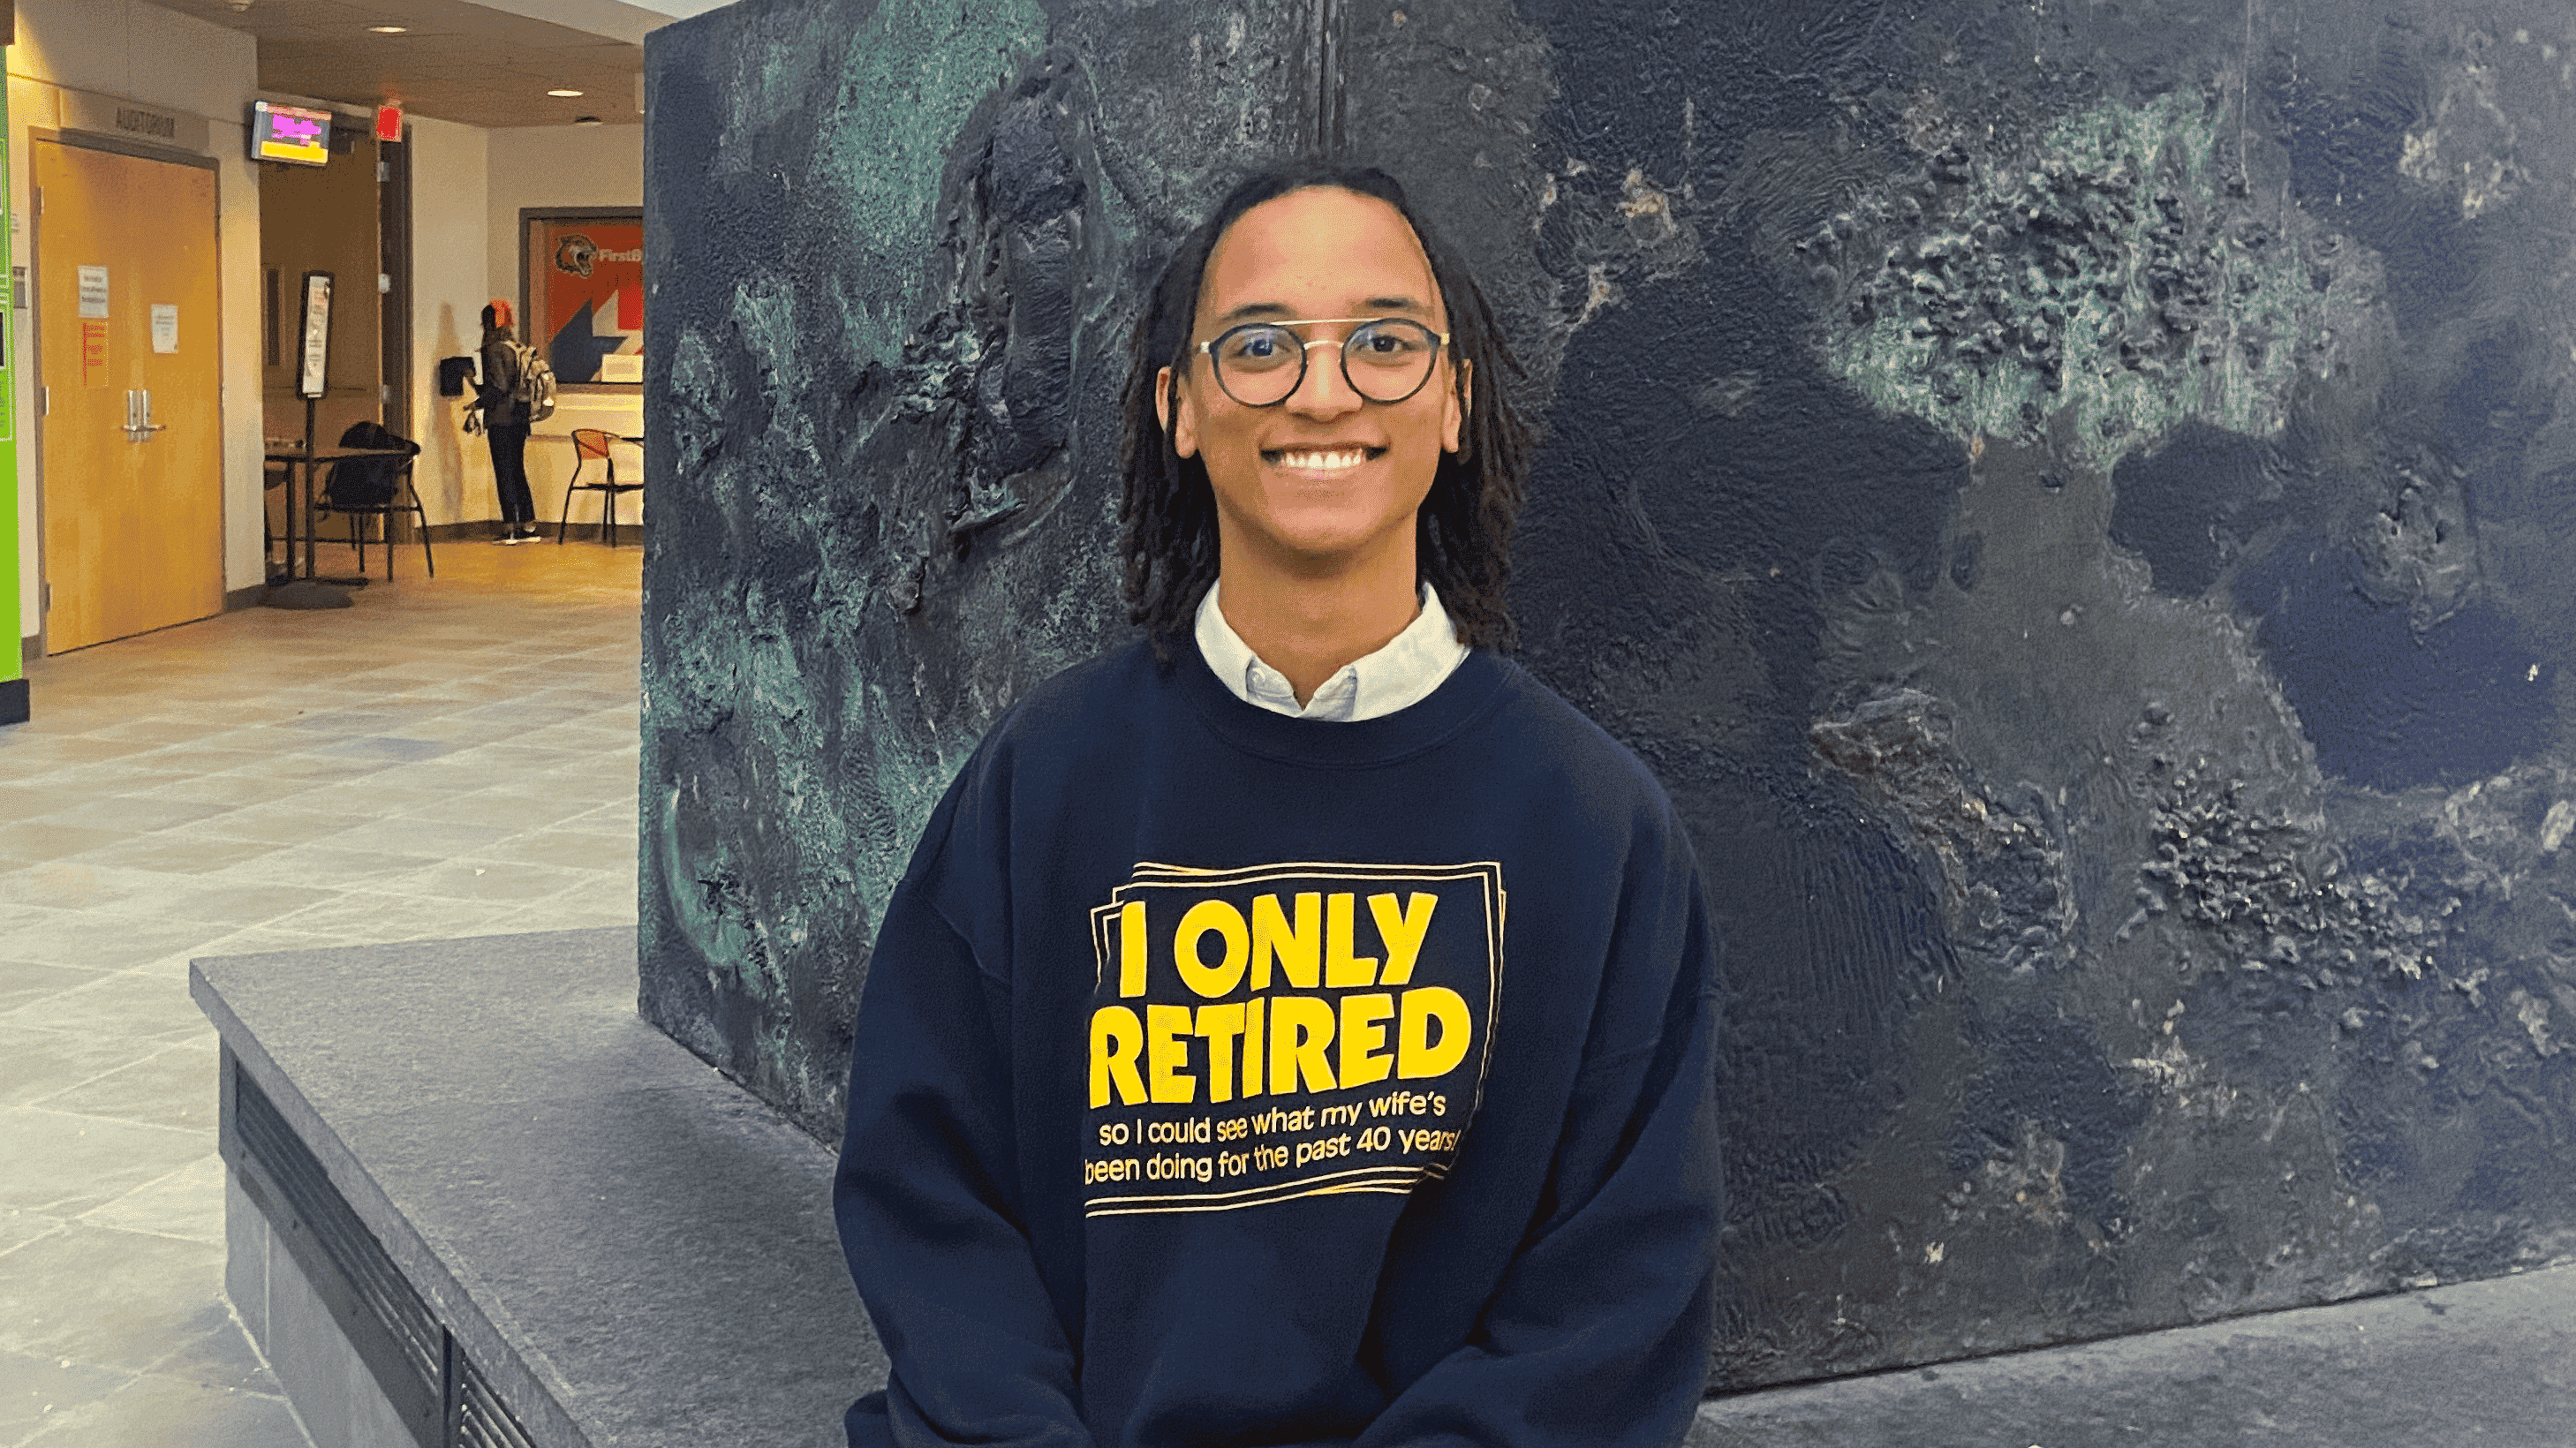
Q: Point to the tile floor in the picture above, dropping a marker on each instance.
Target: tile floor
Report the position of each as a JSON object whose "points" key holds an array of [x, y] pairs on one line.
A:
{"points": [[450, 757]]}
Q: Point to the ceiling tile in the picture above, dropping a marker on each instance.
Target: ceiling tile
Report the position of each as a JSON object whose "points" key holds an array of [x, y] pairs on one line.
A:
{"points": [[459, 62]]}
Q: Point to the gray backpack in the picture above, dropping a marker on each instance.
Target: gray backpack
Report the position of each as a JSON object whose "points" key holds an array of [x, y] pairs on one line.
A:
{"points": [[536, 383]]}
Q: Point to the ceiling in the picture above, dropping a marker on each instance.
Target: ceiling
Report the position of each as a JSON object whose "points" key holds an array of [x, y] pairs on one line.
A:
{"points": [[482, 65]]}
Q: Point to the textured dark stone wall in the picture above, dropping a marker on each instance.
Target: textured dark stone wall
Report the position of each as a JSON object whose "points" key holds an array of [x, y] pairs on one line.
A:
{"points": [[2074, 500]]}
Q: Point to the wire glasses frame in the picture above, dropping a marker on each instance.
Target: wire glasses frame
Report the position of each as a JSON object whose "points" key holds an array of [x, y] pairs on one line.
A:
{"points": [[1396, 357]]}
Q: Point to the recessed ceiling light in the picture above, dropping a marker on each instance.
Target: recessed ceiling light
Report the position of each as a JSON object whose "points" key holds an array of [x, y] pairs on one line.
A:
{"points": [[390, 29], [567, 94]]}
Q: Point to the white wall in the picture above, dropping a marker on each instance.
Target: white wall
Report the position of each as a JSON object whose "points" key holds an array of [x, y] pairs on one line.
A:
{"points": [[140, 52], [450, 282], [559, 166]]}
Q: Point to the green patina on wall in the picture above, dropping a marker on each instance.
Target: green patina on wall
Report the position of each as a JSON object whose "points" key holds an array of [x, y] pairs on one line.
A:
{"points": [[912, 73], [2139, 885], [893, 237], [2125, 275]]}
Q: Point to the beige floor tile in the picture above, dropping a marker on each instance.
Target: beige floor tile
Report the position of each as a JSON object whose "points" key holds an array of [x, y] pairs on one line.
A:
{"points": [[288, 822], [513, 807], [40, 751], [404, 836], [133, 812], [34, 840], [46, 1063], [500, 884], [126, 778], [318, 866], [26, 801], [232, 712], [188, 1203], [21, 982], [218, 905], [60, 1165], [568, 849], [215, 1353], [382, 918], [466, 693], [156, 730], [150, 1408], [163, 854], [116, 1005], [254, 742], [314, 766], [618, 819], [104, 941], [378, 715], [378, 796], [16, 918], [77, 882], [18, 1227], [570, 912], [34, 1389], [263, 940], [153, 1290], [205, 767], [174, 1086], [445, 778]]}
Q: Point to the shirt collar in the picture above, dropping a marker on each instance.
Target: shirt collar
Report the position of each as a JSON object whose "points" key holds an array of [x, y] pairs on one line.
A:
{"points": [[1404, 672]]}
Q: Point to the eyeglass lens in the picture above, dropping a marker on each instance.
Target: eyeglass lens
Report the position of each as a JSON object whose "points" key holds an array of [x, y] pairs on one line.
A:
{"points": [[1384, 361]]}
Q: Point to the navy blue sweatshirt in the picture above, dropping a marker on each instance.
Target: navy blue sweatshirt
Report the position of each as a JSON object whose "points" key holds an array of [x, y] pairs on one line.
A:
{"points": [[1227, 1078]]}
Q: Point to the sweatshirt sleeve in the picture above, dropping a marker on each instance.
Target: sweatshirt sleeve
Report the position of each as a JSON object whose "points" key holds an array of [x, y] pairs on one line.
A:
{"points": [[1601, 1330], [925, 1198]]}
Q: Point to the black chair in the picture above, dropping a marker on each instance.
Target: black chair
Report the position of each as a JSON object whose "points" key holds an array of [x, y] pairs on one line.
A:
{"points": [[589, 444], [378, 487]]}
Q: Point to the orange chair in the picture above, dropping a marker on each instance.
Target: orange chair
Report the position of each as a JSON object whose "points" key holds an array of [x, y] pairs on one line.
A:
{"points": [[590, 444]]}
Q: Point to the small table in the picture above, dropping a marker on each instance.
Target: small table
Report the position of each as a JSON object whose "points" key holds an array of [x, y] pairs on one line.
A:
{"points": [[307, 591]]}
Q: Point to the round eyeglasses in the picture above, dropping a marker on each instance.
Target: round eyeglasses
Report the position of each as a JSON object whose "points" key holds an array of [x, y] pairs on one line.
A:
{"points": [[1384, 359]]}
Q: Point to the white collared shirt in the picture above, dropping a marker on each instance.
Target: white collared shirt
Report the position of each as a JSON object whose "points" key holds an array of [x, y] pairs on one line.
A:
{"points": [[1404, 672]]}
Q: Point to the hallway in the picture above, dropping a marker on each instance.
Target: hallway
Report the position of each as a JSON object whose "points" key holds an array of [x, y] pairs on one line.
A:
{"points": [[450, 757]]}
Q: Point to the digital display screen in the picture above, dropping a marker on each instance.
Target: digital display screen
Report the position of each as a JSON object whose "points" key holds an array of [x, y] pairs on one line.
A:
{"points": [[289, 133]]}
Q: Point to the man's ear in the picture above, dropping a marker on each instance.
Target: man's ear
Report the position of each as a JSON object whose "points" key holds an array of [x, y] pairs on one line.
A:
{"points": [[1453, 417], [1174, 418]]}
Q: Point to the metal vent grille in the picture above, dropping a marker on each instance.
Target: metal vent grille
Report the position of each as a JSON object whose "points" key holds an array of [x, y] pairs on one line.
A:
{"points": [[377, 1286], [413, 1356], [481, 1421]]}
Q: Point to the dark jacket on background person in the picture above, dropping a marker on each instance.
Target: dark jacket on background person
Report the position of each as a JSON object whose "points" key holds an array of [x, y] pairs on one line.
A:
{"points": [[497, 390]]}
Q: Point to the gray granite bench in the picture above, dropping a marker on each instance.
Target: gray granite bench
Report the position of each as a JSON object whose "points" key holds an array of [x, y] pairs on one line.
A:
{"points": [[474, 1199]]}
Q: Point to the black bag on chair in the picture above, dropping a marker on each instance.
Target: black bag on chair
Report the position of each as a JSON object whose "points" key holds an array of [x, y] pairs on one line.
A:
{"points": [[366, 482]]}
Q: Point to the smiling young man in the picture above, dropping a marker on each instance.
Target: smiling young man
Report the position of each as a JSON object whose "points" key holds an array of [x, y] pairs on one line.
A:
{"points": [[1297, 1027]]}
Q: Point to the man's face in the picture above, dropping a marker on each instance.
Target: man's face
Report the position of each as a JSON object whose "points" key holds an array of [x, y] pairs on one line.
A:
{"points": [[1327, 479]]}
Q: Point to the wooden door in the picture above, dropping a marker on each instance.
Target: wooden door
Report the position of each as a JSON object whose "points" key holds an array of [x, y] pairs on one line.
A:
{"points": [[125, 310]]}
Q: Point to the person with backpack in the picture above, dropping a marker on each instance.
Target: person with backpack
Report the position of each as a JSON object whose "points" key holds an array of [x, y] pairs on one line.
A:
{"points": [[502, 406]]}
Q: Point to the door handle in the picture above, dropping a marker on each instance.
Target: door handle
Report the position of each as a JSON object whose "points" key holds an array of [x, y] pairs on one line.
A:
{"points": [[139, 425]]}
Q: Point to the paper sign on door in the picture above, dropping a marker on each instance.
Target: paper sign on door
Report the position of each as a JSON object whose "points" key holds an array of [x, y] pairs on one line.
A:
{"points": [[93, 292], [93, 354], [165, 327]]}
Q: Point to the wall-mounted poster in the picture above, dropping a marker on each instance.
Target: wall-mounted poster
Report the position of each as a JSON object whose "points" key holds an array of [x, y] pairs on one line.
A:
{"points": [[584, 277]]}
